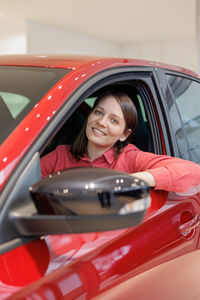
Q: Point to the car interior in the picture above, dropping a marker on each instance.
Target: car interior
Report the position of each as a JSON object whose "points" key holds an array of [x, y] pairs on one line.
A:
{"points": [[68, 132]]}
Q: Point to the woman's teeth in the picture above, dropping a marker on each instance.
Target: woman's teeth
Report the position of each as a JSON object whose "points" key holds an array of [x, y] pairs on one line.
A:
{"points": [[98, 131]]}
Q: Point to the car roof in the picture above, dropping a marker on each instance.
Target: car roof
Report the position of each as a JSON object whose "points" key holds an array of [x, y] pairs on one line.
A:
{"points": [[78, 61]]}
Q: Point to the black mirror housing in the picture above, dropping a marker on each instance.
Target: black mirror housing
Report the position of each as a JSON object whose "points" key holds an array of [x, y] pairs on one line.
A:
{"points": [[81, 200], [87, 191]]}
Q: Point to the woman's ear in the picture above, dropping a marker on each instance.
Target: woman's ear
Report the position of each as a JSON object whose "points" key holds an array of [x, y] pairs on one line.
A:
{"points": [[125, 135]]}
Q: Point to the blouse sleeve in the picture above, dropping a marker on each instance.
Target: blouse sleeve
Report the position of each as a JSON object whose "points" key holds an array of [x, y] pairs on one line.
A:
{"points": [[170, 173], [48, 163]]}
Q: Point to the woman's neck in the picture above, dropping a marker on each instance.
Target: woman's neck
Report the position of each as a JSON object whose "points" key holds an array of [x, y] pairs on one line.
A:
{"points": [[93, 152]]}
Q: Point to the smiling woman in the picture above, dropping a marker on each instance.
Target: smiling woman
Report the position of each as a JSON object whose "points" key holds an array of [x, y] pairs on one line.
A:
{"points": [[103, 142]]}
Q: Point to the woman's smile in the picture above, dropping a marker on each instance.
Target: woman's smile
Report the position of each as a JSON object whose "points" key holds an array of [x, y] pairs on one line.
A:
{"points": [[98, 132]]}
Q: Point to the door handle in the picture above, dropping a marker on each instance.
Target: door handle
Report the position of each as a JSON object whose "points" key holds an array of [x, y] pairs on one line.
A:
{"points": [[186, 228]]}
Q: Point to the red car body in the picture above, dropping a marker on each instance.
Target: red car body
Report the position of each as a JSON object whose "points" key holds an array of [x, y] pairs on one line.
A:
{"points": [[158, 259]]}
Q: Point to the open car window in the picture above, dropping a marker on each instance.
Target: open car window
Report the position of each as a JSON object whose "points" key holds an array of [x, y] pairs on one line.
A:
{"points": [[68, 132]]}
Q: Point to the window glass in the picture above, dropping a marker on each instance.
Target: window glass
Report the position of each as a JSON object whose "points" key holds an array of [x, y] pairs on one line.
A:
{"points": [[186, 93], [142, 108], [90, 101], [20, 89], [15, 103]]}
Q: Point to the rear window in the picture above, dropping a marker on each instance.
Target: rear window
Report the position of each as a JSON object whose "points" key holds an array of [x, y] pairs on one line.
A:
{"points": [[20, 89]]}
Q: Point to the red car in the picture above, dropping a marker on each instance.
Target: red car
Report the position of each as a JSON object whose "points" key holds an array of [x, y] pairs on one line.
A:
{"points": [[146, 252]]}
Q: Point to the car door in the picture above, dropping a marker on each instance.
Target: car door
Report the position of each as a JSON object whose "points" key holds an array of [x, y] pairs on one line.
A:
{"points": [[137, 262]]}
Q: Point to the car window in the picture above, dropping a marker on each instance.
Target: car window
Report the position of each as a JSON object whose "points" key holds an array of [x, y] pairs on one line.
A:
{"points": [[20, 89], [68, 132], [142, 108], [187, 101], [90, 101], [14, 102]]}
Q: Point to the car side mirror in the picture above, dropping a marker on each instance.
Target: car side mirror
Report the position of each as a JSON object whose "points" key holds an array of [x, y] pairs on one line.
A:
{"points": [[83, 200]]}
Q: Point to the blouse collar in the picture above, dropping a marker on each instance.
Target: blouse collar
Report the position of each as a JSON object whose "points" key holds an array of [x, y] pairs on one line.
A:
{"points": [[109, 156]]}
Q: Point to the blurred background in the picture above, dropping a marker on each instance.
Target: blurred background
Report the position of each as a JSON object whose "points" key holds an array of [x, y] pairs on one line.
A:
{"points": [[159, 30]]}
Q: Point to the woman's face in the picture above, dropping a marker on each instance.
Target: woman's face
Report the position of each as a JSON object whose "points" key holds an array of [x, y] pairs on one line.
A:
{"points": [[106, 124]]}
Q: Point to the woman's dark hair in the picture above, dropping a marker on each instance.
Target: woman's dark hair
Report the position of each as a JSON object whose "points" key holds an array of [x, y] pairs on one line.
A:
{"points": [[79, 146]]}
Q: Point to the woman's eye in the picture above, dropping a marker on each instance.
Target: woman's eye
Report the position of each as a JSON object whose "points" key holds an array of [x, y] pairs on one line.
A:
{"points": [[114, 121], [97, 112]]}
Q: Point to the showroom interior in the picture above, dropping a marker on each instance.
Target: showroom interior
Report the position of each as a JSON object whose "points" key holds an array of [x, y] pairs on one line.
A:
{"points": [[158, 30]]}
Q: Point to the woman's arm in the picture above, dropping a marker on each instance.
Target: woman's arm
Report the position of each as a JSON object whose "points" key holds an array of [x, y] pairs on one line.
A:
{"points": [[168, 173]]}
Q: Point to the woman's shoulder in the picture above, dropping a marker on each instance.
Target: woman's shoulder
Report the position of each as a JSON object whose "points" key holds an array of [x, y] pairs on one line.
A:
{"points": [[63, 148], [130, 148], [60, 151]]}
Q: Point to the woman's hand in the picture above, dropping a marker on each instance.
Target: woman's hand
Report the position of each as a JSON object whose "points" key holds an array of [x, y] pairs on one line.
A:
{"points": [[146, 176]]}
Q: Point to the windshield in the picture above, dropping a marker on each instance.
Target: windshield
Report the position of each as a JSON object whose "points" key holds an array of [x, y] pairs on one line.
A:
{"points": [[20, 89]]}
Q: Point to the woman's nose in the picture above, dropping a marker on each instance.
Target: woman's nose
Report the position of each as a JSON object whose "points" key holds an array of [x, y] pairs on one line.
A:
{"points": [[102, 121]]}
